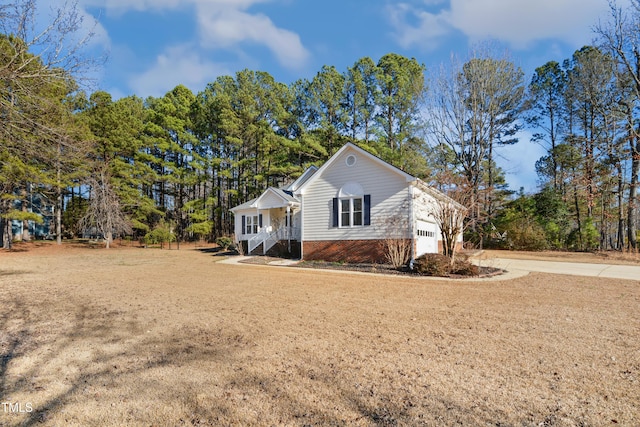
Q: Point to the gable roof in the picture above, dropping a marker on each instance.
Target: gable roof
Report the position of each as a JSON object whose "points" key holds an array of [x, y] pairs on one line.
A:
{"points": [[308, 173], [285, 196], [351, 146], [246, 205], [438, 194], [288, 194]]}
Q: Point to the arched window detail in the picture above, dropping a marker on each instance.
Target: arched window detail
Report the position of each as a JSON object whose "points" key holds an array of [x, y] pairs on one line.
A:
{"points": [[352, 208], [350, 189]]}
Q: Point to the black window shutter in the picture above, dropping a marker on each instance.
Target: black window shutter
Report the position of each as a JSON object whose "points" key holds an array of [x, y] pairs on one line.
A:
{"points": [[244, 223], [260, 220], [367, 209], [335, 211]]}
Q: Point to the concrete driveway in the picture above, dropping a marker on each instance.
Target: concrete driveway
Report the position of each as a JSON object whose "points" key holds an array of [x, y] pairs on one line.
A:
{"points": [[628, 272], [514, 268]]}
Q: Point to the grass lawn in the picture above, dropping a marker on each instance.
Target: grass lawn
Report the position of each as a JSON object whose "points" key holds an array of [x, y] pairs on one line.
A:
{"points": [[129, 336]]}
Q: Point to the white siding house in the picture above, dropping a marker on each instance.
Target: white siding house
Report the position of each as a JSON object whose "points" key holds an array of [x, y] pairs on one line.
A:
{"points": [[343, 211]]}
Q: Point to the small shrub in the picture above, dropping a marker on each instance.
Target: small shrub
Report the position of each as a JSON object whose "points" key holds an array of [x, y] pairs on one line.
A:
{"points": [[440, 265], [432, 265], [160, 234], [465, 268], [224, 242], [397, 251]]}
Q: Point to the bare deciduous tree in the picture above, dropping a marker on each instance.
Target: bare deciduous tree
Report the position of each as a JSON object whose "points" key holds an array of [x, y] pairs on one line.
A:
{"points": [[450, 214], [621, 36], [397, 243], [474, 108], [104, 211]]}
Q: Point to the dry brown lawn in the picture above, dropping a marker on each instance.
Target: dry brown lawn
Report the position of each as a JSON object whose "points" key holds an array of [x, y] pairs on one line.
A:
{"points": [[149, 337]]}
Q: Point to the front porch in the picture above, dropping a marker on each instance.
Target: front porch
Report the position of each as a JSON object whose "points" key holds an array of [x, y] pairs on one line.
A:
{"points": [[269, 224]]}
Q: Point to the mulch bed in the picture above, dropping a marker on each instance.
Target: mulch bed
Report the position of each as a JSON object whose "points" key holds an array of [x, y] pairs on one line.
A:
{"points": [[387, 269]]}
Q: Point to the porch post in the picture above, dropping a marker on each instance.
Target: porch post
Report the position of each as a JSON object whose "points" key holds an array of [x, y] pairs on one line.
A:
{"points": [[288, 220], [260, 229]]}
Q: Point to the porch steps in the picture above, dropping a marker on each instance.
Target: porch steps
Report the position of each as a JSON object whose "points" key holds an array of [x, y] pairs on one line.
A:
{"points": [[257, 250], [267, 238]]}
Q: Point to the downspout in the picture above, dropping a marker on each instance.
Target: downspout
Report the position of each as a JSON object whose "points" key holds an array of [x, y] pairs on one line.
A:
{"points": [[301, 226], [289, 219]]}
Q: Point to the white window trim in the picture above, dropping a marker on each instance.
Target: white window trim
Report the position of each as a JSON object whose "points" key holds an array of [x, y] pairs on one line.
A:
{"points": [[251, 223], [351, 211]]}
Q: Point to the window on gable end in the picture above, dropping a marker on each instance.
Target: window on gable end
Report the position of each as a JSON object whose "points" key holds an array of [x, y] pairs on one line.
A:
{"points": [[352, 212], [352, 208]]}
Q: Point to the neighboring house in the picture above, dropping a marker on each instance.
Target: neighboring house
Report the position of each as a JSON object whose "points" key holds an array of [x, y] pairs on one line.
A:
{"points": [[39, 204], [343, 211]]}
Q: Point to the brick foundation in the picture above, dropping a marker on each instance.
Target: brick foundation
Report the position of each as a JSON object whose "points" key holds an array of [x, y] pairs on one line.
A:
{"points": [[344, 250], [369, 251]]}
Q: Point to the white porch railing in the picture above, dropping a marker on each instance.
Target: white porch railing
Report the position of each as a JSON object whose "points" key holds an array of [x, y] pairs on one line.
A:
{"points": [[267, 237], [259, 238]]}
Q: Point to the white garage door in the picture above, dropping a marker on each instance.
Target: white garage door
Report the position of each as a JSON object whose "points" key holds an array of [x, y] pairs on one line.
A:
{"points": [[426, 238]]}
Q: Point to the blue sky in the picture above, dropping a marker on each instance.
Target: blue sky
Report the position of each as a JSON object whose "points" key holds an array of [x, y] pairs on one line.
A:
{"points": [[155, 45]]}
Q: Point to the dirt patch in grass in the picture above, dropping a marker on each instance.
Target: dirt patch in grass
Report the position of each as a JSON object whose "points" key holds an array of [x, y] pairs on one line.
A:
{"points": [[151, 337]]}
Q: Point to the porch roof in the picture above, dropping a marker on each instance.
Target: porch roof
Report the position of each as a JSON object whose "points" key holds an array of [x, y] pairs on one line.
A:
{"points": [[246, 205], [271, 198]]}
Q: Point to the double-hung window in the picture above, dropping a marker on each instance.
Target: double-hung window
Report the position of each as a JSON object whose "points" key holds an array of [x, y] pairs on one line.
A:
{"points": [[352, 208], [251, 224], [351, 212]]}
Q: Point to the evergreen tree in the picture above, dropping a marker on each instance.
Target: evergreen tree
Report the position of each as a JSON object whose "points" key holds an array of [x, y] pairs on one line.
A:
{"points": [[118, 156], [546, 91], [360, 99], [326, 102], [401, 89]]}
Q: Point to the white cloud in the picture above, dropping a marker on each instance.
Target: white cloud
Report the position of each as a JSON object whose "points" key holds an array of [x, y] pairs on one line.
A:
{"points": [[100, 36], [177, 65], [116, 7], [518, 23], [229, 26], [224, 24], [119, 6], [430, 29], [522, 22]]}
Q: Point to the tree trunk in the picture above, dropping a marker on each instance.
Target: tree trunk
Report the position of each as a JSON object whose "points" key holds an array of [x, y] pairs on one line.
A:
{"points": [[59, 217], [489, 194], [577, 206], [620, 240], [26, 235], [2, 232], [7, 237], [59, 198], [633, 193]]}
